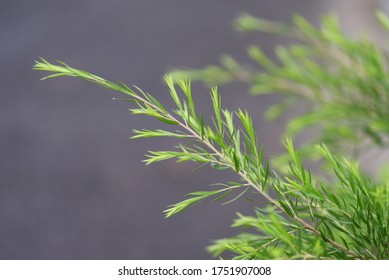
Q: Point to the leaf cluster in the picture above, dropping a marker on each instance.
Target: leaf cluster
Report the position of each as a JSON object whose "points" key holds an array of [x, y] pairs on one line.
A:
{"points": [[307, 217], [342, 81]]}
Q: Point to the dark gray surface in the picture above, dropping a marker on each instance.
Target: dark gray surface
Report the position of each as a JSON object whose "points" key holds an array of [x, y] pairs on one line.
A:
{"points": [[71, 184]]}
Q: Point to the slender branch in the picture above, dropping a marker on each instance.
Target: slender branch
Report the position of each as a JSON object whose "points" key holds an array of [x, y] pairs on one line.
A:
{"points": [[260, 189], [160, 111]]}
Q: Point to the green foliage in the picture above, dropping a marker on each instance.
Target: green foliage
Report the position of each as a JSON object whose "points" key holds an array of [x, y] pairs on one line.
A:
{"points": [[338, 214], [344, 82]]}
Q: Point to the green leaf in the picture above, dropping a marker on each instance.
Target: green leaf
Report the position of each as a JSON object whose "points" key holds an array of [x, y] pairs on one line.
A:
{"points": [[168, 121], [383, 19]]}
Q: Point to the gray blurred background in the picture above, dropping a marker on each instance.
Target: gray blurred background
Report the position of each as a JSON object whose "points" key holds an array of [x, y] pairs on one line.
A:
{"points": [[72, 186]]}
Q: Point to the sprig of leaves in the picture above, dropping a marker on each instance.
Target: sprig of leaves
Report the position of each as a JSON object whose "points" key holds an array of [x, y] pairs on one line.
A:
{"points": [[307, 217]]}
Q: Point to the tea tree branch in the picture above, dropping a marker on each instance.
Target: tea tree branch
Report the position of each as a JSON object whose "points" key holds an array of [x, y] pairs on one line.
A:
{"points": [[338, 222]]}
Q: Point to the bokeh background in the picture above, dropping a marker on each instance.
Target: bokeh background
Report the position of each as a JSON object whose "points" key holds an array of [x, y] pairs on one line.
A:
{"points": [[72, 186]]}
